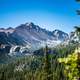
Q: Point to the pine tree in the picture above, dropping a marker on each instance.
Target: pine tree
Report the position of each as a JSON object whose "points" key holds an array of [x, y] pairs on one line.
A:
{"points": [[47, 65]]}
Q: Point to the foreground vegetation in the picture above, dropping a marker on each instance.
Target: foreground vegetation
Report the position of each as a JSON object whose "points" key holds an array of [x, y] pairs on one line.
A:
{"points": [[49, 66]]}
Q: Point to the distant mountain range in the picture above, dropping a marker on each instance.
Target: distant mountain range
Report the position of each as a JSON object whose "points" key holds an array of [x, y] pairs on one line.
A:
{"points": [[29, 35]]}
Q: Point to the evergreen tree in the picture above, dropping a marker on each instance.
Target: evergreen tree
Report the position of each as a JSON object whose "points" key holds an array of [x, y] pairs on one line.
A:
{"points": [[47, 64], [78, 33]]}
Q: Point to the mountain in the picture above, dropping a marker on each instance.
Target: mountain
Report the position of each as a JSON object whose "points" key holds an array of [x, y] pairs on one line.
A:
{"points": [[8, 30], [60, 35], [30, 35], [73, 37]]}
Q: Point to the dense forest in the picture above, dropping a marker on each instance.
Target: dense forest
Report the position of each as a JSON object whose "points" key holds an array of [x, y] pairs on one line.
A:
{"points": [[58, 63]]}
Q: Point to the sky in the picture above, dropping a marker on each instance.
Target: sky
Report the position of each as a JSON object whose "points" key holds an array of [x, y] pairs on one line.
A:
{"points": [[48, 14]]}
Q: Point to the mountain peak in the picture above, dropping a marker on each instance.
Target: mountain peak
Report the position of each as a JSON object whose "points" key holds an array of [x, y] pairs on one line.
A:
{"points": [[60, 35], [31, 33], [8, 30], [57, 30], [29, 24]]}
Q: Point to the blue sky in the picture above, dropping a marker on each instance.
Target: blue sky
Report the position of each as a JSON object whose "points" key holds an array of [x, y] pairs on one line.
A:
{"points": [[49, 14]]}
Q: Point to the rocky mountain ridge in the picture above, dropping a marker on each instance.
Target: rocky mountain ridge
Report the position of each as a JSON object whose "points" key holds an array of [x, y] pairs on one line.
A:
{"points": [[29, 36], [29, 33]]}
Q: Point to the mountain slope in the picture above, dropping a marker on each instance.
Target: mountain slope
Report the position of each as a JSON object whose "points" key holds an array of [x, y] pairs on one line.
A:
{"points": [[29, 33], [60, 35], [29, 36]]}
